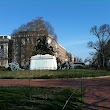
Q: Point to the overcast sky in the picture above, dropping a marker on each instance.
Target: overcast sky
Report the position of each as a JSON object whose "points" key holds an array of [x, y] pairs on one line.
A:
{"points": [[71, 19]]}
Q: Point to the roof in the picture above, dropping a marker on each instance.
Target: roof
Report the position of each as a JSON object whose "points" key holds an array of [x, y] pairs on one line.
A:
{"points": [[9, 37]]}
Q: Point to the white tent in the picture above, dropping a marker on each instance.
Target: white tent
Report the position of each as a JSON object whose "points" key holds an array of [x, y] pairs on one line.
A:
{"points": [[41, 62]]}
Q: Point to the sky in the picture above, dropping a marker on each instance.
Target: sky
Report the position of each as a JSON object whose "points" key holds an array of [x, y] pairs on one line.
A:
{"points": [[71, 19]]}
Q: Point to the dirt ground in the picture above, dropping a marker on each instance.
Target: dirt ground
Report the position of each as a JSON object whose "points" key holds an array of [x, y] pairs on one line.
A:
{"points": [[97, 90]]}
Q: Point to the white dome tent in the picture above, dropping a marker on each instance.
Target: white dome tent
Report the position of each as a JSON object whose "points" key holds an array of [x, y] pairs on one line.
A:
{"points": [[43, 62]]}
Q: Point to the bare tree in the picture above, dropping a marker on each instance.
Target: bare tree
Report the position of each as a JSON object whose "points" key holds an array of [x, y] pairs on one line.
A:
{"points": [[38, 25], [26, 36], [103, 34], [107, 51], [77, 59]]}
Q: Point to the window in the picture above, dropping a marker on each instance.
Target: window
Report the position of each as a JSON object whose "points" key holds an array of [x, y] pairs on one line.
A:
{"points": [[2, 47], [5, 37]]}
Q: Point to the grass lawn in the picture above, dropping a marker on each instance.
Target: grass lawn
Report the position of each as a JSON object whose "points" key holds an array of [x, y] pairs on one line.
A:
{"points": [[51, 74], [39, 98]]}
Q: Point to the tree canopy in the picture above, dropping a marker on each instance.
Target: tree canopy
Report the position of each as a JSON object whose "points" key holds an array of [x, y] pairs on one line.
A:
{"points": [[38, 25]]}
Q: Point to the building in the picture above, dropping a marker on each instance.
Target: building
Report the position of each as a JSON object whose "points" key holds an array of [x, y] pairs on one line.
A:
{"points": [[24, 43], [4, 50], [19, 48], [62, 53]]}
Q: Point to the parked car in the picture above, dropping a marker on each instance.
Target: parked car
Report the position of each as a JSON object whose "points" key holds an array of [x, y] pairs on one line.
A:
{"points": [[79, 65], [70, 65]]}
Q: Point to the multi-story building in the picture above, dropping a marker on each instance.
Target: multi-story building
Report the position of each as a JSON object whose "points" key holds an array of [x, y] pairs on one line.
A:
{"points": [[4, 50], [62, 53], [20, 47], [24, 43]]}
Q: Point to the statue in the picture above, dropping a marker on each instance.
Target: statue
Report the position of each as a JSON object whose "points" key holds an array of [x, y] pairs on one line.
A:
{"points": [[14, 66], [65, 65]]}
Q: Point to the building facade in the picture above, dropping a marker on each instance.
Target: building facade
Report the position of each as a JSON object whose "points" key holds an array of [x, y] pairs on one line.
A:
{"points": [[20, 47], [4, 50], [61, 53], [24, 45]]}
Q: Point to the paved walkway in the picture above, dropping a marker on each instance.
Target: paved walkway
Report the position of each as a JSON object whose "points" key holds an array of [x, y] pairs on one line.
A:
{"points": [[97, 94], [97, 90]]}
